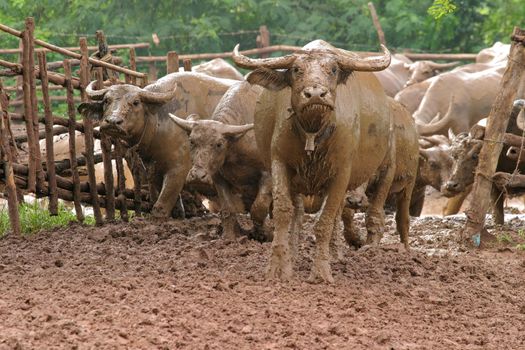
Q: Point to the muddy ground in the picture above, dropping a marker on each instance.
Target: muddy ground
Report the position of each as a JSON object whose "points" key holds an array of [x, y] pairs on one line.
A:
{"points": [[178, 285]]}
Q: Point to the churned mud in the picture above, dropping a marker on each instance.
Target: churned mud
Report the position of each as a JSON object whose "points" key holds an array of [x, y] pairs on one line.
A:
{"points": [[178, 285]]}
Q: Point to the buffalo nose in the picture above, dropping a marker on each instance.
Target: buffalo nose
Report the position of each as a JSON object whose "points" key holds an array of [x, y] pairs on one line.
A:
{"points": [[115, 120], [315, 91], [452, 185]]}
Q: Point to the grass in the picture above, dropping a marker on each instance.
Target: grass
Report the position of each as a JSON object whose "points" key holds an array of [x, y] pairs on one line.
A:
{"points": [[33, 218], [505, 238]]}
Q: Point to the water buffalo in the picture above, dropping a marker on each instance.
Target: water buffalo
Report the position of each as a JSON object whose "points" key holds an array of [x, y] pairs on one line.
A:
{"points": [[406, 169], [423, 70], [497, 53], [323, 124], [465, 149], [457, 100], [224, 154], [218, 68]]}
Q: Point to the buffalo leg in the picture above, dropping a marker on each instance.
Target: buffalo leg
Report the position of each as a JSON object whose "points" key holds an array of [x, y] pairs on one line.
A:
{"points": [[297, 224], [280, 265], [403, 214], [498, 199], [261, 205], [231, 206], [334, 247], [375, 215], [454, 204], [350, 232], [321, 269], [169, 194]]}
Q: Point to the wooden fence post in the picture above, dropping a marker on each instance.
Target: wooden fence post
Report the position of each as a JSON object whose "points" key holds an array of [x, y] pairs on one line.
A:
{"points": [[5, 150], [263, 40], [50, 156], [71, 111], [187, 65], [105, 144], [121, 181], [88, 134], [495, 131], [28, 72], [132, 64], [377, 24], [152, 71], [172, 62]]}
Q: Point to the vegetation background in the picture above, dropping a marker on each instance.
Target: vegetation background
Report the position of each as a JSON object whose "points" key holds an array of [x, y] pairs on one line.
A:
{"points": [[195, 26]]}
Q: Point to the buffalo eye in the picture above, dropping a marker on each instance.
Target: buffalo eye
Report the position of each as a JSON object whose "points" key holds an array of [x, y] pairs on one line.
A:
{"points": [[434, 165], [334, 70], [475, 156], [136, 103], [218, 145], [296, 70]]}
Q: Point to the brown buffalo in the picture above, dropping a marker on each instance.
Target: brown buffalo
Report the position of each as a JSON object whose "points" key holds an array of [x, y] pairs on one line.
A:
{"points": [[323, 124], [218, 68], [132, 114], [224, 155], [465, 149], [423, 70], [406, 169], [457, 101]]}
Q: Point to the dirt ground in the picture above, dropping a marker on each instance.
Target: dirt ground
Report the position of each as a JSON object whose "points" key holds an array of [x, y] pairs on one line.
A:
{"points": [[178, 285]]}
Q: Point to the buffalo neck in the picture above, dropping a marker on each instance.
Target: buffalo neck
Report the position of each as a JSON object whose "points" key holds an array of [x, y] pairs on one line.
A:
{"points": [[143, 144], [312, 139]]}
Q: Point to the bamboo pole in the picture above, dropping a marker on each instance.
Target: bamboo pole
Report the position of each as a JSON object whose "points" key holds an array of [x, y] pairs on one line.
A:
{"points": [[132, 64], [28, 111], [90, 48], [105, 144], [187, 65], [88, 133], [377, 24], [288, 48], [12, 201], [30, 28], [121, 181], [152, 71], [72, 144], [136, 162], [172, 62], [50, 154], [72, 54], [496, 127]]}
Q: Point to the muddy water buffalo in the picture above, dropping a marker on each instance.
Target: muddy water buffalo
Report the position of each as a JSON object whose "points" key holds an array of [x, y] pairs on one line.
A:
{"points": [[423, 70], [457, 101], [465, 149], [224, 155], [406, 169], [218, 68], [131, 114], [323, 124]]}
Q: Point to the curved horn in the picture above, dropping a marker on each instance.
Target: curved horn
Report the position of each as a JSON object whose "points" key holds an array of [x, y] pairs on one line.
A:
{"points": [[232, 130], [183, 123], [157, 97], [242, 61], [440, 126], [435, 65], [93, 94], [350, 61]]}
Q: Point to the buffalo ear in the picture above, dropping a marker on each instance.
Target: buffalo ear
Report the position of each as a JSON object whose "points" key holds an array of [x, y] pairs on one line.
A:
{"points": [[92, 110], [343, 76], [477, 132], [274, 80]]}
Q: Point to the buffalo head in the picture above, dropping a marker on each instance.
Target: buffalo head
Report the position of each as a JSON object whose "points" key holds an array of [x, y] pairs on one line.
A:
{"points": [[209, 143], [313, 74], [123, 109], [464, 149], [422, 70]]}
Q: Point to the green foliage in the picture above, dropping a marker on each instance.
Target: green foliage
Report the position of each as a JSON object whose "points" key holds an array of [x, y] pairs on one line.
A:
{"points": [[441, 8], [34, 218]]}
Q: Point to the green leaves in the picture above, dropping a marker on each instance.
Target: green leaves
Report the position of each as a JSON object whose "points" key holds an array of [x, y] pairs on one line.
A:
{"points": [[441, 8]]}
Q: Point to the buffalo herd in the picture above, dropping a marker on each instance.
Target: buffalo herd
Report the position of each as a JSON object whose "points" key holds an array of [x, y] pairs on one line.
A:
{"points": [[322, 130]]}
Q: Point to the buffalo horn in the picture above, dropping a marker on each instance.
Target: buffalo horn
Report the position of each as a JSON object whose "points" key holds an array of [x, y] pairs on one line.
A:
{"points": [[231, 130], [350, 61], [242, 61], [156, 97], [183, 123], [435, 65], [93, 94]]}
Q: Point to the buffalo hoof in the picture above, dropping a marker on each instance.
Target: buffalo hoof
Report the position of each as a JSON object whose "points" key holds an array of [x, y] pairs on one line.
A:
{"points": [[352, 239], [158, 212], [373, 238], [321, 272], [280, 267]]}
